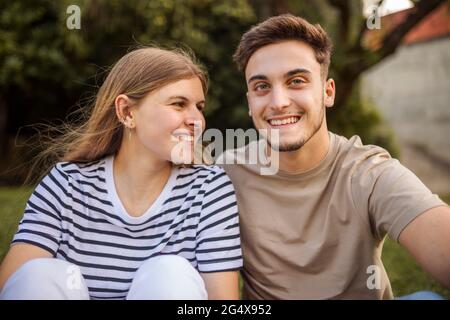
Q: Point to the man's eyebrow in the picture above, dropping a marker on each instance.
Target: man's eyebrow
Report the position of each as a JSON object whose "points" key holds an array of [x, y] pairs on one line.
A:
{"points": [[297, 71], [257, 77], [287, 75]]}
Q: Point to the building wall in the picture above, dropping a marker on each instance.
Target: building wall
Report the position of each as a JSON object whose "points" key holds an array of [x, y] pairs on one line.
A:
{"points": [[412, 91]]}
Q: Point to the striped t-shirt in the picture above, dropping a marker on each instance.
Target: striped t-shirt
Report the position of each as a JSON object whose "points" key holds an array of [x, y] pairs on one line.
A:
{"points": [[76, 214]]}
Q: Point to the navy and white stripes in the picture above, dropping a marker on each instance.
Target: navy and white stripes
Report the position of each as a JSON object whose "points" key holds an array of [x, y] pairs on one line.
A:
{"points": [[75, 214]]}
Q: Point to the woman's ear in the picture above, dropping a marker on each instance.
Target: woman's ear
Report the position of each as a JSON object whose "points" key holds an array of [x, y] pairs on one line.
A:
{"points": [[123, 106]]}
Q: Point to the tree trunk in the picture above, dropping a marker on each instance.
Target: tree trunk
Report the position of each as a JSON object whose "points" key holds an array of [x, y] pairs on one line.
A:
{"points": [[361, 59]]}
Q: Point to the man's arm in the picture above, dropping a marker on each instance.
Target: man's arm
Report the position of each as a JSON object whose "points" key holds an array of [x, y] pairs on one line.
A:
{"points": [[427, 238], [221, 285]]}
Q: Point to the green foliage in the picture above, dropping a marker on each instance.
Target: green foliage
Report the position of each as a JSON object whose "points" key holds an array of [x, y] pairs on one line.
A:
{"points": [[51, 66], [38, 70], [361, 117]]}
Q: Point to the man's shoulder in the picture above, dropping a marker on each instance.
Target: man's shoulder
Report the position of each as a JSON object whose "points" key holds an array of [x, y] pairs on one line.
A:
{"points": [[244, 155], [365, 165], [241, 162], [236, 155], [352, 153]]}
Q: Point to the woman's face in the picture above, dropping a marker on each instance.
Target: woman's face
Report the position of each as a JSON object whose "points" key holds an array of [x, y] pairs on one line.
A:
{"points": [[165, 120]]}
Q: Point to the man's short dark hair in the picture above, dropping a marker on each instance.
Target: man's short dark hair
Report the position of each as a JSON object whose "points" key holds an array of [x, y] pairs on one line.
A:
{"points": [[281, 28]]}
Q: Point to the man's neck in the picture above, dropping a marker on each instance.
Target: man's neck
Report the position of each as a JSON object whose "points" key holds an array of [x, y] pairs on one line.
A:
{"points": [[309, 155]]}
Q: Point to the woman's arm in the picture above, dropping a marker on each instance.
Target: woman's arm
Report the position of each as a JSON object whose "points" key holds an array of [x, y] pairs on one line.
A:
{"points": [[221, 285], [17, 255]]}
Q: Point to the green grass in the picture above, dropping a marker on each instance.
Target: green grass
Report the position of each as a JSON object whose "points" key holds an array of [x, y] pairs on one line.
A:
{"points": [[405, 275], [12, 205]]}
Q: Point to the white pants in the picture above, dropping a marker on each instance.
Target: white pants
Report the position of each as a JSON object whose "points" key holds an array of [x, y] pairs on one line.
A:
{"points": [[165, 277]]}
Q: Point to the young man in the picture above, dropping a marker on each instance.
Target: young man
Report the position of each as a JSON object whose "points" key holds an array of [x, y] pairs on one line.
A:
{"points": [[315, 229]]}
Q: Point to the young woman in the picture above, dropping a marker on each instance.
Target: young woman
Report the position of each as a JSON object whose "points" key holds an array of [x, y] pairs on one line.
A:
{"points": [[115, 218]]}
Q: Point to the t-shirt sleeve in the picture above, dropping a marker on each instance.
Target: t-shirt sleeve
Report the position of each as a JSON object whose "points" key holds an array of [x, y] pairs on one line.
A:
{"points": [[392, 195], [218, 237], [41, 222]]}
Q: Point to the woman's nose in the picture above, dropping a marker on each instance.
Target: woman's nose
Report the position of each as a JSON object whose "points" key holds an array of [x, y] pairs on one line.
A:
{"points": [[194, 123], [194, 115]]}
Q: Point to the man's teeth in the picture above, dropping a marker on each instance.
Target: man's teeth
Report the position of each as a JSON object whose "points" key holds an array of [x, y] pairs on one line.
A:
{"points": [[284, 121]]}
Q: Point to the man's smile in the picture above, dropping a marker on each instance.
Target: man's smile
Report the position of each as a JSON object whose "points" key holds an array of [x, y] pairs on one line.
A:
{"points": [[283, 121]]}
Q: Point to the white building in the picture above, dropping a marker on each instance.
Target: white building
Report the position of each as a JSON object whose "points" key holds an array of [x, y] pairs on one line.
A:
{"points": [[411, 88]]}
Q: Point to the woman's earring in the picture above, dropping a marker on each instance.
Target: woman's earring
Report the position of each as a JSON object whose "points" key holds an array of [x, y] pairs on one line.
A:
{"points": [[129, 128], [249, 113], [129, 133]]}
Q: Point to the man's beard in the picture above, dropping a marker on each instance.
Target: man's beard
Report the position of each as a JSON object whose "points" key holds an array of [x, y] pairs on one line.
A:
{"points": [[297, 145]]}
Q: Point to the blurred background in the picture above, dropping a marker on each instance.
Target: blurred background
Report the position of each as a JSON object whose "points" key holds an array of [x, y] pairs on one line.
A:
{"points": [[391, 63]]}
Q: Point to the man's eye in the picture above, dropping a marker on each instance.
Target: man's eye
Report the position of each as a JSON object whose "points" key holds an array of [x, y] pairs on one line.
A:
{"points": [[297, 81]]}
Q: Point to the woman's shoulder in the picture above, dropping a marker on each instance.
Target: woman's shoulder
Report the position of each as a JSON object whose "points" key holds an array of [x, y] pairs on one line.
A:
{"points": [[79, 171], [200, 172]]}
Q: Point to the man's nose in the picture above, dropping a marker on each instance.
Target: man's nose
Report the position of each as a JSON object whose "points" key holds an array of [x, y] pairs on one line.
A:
{"points": [[279, 98]]}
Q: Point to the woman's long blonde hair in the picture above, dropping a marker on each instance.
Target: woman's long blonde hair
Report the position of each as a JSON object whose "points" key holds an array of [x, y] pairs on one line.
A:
{"points": [[136, 74]]}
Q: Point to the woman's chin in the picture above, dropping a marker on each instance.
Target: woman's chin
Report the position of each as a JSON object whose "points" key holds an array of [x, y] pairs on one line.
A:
{"points": [[182, 153]]}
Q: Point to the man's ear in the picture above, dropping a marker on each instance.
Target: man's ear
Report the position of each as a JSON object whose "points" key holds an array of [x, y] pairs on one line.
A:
{"points": [[123, 105], [329, 93]]}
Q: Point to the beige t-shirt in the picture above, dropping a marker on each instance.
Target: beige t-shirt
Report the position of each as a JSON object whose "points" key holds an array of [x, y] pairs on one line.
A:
{"points": [[319, 234]]}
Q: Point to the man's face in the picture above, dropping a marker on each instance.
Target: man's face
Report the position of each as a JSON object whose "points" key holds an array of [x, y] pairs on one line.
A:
{"points": [[286, 92]]}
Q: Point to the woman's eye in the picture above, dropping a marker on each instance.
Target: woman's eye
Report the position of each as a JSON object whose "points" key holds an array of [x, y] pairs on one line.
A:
{"points": [[261, 86], [178, 104]]}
